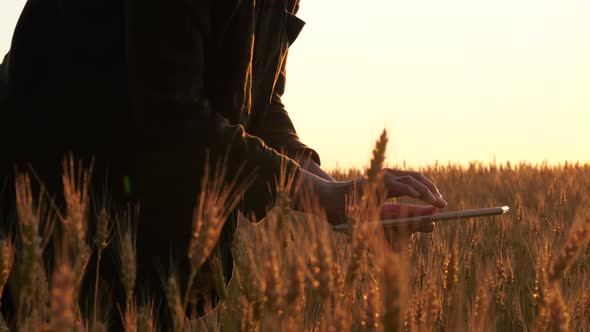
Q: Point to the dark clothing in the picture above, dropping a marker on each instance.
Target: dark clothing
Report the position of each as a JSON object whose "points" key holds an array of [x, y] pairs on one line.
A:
{"points": [[93, 75], [148, 87]]}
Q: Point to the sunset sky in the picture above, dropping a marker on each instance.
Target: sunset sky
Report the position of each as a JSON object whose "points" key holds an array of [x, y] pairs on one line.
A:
{"points": [[454, 80]]}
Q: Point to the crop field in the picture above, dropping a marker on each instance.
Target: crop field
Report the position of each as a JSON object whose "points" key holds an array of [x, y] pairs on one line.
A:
{"points": [[528, 270]]}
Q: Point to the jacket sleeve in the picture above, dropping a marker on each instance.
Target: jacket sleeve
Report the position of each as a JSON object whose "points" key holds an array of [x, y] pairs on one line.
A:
{"points": [[3, 79], [167, 62], [277, 129]]}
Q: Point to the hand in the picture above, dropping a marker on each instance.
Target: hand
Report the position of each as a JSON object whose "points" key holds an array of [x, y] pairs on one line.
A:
{"points": [[396, 236], [394, 211], [412, 184], [332, 195]]}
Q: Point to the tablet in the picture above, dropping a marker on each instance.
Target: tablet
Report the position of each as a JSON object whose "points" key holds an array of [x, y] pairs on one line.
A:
{"points": [[456, 215]]}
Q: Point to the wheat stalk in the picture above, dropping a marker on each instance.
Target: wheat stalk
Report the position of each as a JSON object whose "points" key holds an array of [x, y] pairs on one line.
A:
{"points": [[378, 158], [174, 302], [32, 275], [101, 242], [217, 199], [146, 320], [576, 242], [62, 301], [6, 260]]}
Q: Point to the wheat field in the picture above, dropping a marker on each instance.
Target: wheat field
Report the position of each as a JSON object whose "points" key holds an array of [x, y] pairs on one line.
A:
{"points": [[528, 270]]}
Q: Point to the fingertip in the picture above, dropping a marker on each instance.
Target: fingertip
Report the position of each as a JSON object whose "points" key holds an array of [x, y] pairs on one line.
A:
{"points": [[435, 200], [430, 199]]}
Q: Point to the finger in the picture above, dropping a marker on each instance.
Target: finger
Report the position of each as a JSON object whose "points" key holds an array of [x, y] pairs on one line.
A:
{"points": [[394, 210], [440, 202], [430, 185], [425, 227], [425, 193], [398, 189]]}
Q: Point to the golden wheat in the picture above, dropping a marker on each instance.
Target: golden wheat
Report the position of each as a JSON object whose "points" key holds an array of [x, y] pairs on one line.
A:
{"points": [[528, 270]]}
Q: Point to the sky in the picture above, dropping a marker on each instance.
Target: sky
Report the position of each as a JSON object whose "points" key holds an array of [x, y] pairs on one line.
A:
{"points": [[453, 80]]}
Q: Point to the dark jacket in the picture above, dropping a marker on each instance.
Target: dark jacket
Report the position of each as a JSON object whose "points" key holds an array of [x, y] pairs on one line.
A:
{"points": [[98, 76], [3, 79], [151, 86]]}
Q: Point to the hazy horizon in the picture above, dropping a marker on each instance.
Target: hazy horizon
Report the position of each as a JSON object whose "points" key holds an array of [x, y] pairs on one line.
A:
{"points": [[456, 81]]}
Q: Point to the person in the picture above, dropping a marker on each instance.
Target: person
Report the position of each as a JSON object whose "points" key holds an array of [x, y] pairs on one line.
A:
{"points": [[149, 89]]}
